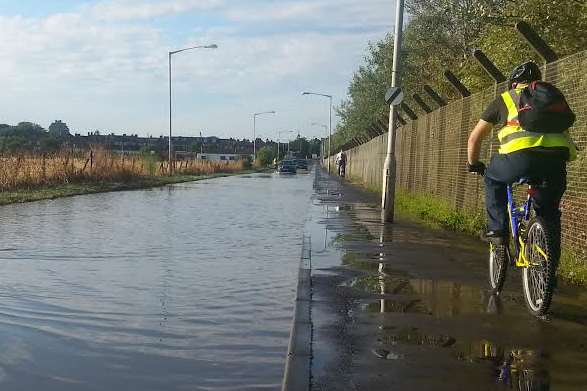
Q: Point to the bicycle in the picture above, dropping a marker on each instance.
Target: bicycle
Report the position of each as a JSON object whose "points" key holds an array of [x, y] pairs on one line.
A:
{"points": [[535, 249], [341, 170]]}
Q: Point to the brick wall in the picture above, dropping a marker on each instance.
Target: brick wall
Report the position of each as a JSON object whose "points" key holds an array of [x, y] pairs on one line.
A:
{"points": [[431, 151]]}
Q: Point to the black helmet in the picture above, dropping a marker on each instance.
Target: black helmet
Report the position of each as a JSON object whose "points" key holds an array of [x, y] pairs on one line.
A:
{"points": [[525, 73]]}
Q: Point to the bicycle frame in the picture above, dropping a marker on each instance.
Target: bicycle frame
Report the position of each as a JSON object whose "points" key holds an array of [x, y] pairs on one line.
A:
{"points": [[518, 214]]}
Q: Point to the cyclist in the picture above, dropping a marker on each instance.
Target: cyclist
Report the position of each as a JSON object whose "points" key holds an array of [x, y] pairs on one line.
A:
{"points": [[341, 163], [522, 154]]}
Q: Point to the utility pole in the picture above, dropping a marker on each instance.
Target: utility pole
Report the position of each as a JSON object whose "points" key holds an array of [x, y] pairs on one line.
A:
{"points": [[213, 46], [170, 147], [389, 169], [255, 115], [329, 121]]}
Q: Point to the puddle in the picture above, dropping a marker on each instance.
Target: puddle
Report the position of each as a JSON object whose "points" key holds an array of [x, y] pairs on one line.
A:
{"points": [[513, 368], [386, 354], [353, 237], [413, 336], [443, 326], [510, 367], [439, 298], [399, 306], [382, 284], [355, 261]]}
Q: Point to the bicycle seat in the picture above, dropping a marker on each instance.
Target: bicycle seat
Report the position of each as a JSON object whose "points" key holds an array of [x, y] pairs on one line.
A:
{"points": [[536, 182]]}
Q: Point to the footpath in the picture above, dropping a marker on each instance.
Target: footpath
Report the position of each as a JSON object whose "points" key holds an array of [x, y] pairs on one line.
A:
{"points": [[406, 307]]}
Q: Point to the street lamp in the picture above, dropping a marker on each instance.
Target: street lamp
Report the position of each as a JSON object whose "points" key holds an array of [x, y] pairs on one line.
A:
{"points": [[325, 131], [255, 131], [330, 122], [279, 140], [214, 46]]}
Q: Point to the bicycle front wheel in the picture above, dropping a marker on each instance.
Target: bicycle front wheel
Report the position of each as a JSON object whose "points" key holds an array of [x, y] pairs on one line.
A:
{"points": [[539, 278], [498, 263]]}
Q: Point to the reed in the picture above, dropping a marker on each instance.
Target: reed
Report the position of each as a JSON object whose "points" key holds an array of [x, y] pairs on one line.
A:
{"points": [[27, 171]]}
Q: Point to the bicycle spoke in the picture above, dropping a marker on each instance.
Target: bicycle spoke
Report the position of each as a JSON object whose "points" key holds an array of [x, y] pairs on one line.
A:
{"points": [[537, 267]]}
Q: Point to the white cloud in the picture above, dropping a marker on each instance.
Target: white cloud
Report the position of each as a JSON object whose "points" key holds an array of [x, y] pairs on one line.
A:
{"points": [[104, 65], [122, 10], [318, 13], [275, 12]]}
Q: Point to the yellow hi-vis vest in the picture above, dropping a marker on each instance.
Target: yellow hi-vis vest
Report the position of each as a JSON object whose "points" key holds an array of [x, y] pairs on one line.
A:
{"points": [[513, 138]]}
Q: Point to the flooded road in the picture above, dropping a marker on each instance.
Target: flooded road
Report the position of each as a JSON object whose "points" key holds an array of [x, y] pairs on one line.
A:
{"points": [[185, 287], [406, 307]]}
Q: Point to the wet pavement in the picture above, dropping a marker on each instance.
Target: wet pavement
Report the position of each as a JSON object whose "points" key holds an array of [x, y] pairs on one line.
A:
{"points": [[406, 307], [185, 287]]}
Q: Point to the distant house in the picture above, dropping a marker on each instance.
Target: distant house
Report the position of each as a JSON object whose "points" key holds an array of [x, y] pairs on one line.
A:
{"points": [[184, 147], [223, 156]]}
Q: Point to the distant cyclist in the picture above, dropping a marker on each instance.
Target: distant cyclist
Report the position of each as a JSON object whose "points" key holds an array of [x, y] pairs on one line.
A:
{"points": [[534, 144], [341, 163]]}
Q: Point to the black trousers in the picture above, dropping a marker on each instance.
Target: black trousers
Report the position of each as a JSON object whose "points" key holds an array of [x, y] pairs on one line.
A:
{"points": [[509, 168]]}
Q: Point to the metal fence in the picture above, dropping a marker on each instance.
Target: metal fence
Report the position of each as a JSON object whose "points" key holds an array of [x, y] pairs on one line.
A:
{"points": [[431, 151]]}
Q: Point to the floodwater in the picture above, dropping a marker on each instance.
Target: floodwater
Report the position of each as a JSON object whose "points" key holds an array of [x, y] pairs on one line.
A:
{"points": [[189, 286], [406, 307]]}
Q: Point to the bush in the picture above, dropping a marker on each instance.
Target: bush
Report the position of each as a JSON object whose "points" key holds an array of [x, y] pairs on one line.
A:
{"points": [[264, 157]]}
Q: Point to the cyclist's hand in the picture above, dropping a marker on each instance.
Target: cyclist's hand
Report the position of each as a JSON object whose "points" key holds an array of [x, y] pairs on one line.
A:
{"points": [[477, 168]]}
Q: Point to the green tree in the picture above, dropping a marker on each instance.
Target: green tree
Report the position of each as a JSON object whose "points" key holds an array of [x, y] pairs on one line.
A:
{"points": [[49, 144], [26, 136], [441, 34], [265, 156]]}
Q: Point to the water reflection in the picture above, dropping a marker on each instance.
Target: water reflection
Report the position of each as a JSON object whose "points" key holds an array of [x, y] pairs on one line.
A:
{"points": [[185, 286], [401, 293], [511, 368], [521, 369]]}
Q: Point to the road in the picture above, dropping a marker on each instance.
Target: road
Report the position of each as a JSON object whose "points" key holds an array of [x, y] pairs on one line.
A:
{"points": [[189, 286]]}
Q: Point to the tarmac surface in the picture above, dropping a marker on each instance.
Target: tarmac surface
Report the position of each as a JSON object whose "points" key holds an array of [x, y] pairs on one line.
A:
{"points": [[406, 307]]}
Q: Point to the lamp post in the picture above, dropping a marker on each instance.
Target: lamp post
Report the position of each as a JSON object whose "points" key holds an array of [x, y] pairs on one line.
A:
{"points": [[325, 131], [213, 46], [255, 131], [279, 139], [330, 122], [389, 168]]}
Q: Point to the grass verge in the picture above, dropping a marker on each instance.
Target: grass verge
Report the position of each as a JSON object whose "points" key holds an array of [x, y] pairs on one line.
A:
{"points": [[73, 189], [437, 212]]}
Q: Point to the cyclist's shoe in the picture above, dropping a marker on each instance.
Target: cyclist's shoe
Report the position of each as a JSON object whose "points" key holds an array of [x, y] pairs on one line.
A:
{"points": [[495, 237]]}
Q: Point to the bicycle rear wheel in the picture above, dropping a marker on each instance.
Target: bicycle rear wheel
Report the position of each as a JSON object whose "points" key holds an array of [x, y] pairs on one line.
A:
{"points": [[542, 253], [498, 263]]}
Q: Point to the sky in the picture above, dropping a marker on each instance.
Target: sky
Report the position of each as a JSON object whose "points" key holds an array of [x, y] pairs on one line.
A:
{"points": [[103, 65]]}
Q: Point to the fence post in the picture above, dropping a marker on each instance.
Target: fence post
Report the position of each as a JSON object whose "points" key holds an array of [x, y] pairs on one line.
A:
{"points": [[407, 109], [456, 83], [488, 66], [422, 104], [435, 97], [536, 42]]}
